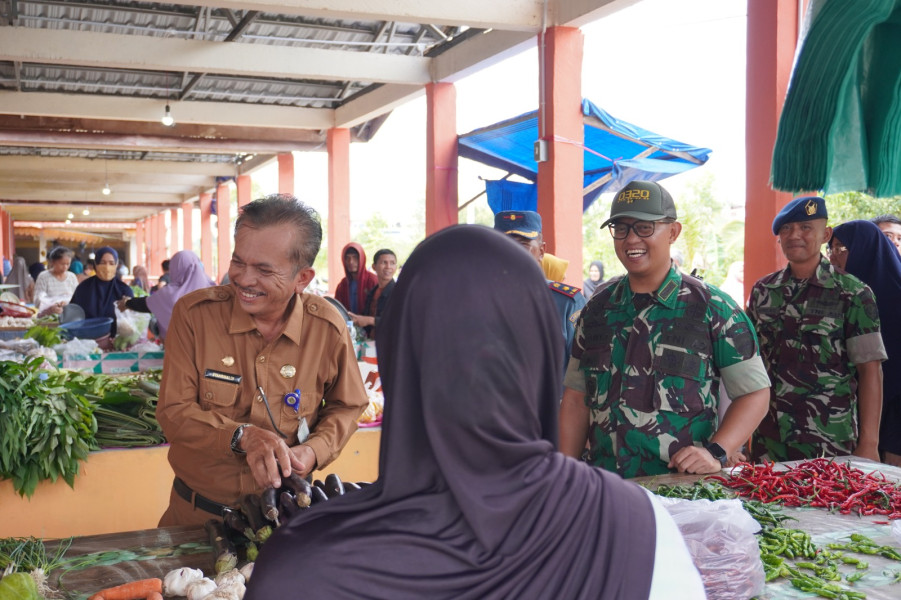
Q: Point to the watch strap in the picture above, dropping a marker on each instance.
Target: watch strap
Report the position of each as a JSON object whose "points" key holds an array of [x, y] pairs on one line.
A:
{"points": [[236, 439]]}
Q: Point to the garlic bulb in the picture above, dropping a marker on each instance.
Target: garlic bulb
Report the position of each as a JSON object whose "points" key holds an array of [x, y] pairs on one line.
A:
{"points": [[176, 581]]}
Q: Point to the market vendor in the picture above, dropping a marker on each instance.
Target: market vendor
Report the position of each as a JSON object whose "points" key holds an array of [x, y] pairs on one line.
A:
{"points": [[97, 295], [259, 378], [650, 353]]}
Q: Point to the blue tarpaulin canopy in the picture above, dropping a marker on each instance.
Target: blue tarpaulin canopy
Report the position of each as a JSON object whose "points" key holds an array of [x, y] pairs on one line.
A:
{"points": [[616, 153]]}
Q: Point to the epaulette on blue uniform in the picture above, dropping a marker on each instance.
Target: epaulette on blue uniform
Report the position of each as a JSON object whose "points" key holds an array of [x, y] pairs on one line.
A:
{"points": [[566, 290]]}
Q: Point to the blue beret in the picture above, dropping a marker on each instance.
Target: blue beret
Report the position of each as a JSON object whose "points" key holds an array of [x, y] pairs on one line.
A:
{"points": [[806, 208], [524, 223]]}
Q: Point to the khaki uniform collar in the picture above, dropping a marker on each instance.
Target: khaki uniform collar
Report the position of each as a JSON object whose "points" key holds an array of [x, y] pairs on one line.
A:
{"points": [[241, 322]]}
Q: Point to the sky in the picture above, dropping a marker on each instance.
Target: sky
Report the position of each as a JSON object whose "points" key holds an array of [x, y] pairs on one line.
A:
{"points": [[674, 68]]}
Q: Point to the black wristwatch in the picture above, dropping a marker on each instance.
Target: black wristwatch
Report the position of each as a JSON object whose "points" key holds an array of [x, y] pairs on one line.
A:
{"points": [[718, 452], [236, 439]]}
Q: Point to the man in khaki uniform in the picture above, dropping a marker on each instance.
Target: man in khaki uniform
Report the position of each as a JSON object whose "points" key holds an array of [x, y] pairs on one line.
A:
{"points": [[259, 379]]}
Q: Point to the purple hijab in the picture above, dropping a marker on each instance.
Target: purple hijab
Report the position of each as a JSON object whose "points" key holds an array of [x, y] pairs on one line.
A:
{"points": [[875, 261], [186, 274], [473, 500]]}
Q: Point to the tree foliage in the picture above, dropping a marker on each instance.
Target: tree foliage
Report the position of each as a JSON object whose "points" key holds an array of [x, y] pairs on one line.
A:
{"points": [[848, 206]]}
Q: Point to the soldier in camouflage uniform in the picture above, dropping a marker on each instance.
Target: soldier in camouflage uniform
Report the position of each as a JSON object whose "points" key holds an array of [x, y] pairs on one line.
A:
{"points": [[651, 348], [820, 340]]}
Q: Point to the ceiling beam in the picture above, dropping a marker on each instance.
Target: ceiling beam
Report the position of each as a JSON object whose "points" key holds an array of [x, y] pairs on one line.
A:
{"points": [[517, 15], [51, 164], [11, 124], [145, 109], [148, 53]]}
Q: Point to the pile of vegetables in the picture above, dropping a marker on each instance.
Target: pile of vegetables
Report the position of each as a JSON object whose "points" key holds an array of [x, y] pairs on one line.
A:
{"points": [[247, 526], [822, 483], [48, 428], [790, 553], [124, 406], [59, 416]]}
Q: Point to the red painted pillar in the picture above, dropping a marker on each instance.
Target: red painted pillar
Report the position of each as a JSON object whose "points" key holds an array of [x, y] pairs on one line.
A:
{"points": [[243, 184], [160, 236], [9, 228], [4, 237], [141, 258], [772, 38], [206, 239], [187, 226], [153, 268], [223, 229], [173, 231], [286, 173], [338, 235], [560, 125], [441, 157]]}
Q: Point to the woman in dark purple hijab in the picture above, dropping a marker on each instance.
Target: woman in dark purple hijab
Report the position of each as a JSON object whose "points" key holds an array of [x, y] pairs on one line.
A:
{"points": [[473, 500], [861, 249]]}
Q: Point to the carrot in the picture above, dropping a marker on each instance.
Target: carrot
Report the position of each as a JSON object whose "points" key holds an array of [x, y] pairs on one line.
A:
{"points": [[154, 596], [135, 590]]}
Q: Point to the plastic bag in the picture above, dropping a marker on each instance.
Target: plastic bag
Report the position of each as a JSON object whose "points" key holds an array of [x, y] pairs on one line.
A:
{"points": [[720, 538]]}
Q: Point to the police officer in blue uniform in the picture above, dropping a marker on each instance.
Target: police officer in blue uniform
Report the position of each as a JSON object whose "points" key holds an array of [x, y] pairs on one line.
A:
{"points": [[524, 226]]}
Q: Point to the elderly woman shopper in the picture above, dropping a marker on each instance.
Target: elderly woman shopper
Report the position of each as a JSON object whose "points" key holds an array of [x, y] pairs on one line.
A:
{"points": [[861, 249], [97, 295], [473, 499], [19, 276], [186, 275], [54, 287]]}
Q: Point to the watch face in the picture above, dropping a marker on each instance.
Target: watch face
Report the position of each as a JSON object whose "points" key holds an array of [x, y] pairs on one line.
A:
{"points": [[717, 451]]}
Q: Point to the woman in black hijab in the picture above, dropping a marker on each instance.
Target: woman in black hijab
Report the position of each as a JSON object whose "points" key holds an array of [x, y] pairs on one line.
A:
{"points": [[473, 500], [98, 294]]}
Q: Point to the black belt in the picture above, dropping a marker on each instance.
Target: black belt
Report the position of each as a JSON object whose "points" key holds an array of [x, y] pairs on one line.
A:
{"points": [[188, 495]]}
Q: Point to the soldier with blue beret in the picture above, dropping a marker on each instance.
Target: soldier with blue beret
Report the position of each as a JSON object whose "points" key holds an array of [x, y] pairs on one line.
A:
{"points": [[524, 226], [820, 340], [806, 208], [650, 352]]}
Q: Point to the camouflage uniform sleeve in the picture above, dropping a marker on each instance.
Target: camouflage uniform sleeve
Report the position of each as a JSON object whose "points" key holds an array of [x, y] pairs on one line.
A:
{"points": [[574, 377], [734, 337], [864, 341], [745, 377]]}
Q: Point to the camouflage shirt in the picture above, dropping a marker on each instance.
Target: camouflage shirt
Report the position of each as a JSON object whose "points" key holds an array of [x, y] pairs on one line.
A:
{"points": [[812, 332], [650, 367]]}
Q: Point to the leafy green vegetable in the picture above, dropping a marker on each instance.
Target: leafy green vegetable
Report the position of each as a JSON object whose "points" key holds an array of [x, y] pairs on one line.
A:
{"points": [[45, 336], [48, 428]]}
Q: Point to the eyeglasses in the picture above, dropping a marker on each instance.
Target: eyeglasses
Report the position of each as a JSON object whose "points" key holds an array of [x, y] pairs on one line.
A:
{"points": [[836, 250], [642, 229]]}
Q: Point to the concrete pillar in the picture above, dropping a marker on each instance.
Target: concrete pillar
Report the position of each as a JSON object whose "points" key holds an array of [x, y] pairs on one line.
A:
{"points": [[441, 157], [243, 184], [223, 230], [772, 38], [560, 126], [187, 226], [286, 173], [140, 255], [206, 233], [173, 232], [338, 235]]}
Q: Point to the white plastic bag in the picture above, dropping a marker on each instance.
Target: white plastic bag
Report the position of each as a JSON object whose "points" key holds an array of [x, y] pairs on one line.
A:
{"points": [[720, 538]]}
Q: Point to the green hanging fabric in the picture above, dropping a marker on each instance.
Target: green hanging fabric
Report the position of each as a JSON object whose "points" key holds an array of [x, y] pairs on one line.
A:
{"points": [[839, 125]]}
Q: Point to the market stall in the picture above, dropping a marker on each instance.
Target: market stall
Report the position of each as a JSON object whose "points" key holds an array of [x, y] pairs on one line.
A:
{"points": [[152, 553]]}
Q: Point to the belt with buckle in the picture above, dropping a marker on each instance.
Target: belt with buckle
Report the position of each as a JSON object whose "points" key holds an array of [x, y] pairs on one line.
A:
{"points": [[188, 495]]}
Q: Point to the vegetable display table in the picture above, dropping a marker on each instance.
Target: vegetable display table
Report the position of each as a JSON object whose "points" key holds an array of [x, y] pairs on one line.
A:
{"points": [[128, 489], [132, 556], [879, 582]]}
